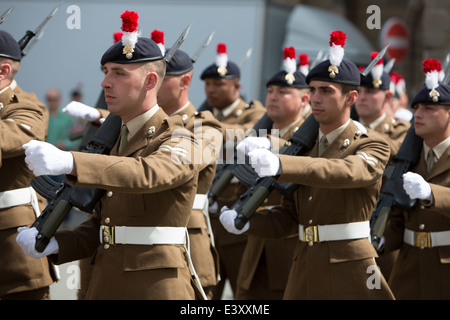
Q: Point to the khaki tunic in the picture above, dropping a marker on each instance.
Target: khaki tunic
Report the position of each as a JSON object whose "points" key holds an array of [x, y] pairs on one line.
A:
{"points": [[340, 187], [22, 120], [265, 264], [146, 186], [423, 273], [204, 254], [394, 130], [230, 246]]}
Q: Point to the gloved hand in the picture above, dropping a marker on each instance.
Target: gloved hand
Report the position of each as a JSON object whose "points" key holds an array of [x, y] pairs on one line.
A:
{"points": [[252, 143], [79, 110], [27, 241], [227, 217], [416, 187], [265, 162], [45, 159]]}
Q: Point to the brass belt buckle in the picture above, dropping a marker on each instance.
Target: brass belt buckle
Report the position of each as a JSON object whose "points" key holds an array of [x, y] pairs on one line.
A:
{"points": [[422, 239], [311, 235], [108, 236]]}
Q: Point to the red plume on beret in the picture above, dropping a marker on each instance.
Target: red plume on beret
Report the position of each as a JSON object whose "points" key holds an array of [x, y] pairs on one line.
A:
{"points": [[338, 38], [158, 36], [430, 65], [289, 53], [373, 55], [304, 59], [221, 48], [129, 21], [117, 36]]}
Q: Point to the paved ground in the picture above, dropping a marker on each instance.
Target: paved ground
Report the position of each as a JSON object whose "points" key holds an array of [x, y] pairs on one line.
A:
{"points": [[66, 288]]}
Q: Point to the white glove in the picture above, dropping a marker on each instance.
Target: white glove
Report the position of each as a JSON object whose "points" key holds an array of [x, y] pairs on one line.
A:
{"points": [[416, 187], [264, 162], [79, 110], [45, 159], [252, 143], [27, 241], [227, 217]]}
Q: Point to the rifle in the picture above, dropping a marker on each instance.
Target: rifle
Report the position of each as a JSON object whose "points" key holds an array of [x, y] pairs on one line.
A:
{"points": [[392, 193], [30, 34], [63, 196], [224, 171], [260, 188]]}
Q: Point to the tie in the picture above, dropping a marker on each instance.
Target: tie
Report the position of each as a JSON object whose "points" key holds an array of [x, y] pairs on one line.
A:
{"points": [[219, 116], [431, 159], [123, 137], [323, 144]]}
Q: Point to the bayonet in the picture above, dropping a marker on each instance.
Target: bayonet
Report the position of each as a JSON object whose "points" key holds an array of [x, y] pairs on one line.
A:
{"points": [[6, 14], [177, 44], [317, 59], [30, 34], [36, 39], [246, 57], [389, 65], [446, 70], [202, 48], [372, 64]]}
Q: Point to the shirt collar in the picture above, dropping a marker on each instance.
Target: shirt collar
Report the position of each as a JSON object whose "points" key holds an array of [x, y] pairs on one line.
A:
{"points": [[137, 123], [438, 150], [227, 110], [335, 133]]}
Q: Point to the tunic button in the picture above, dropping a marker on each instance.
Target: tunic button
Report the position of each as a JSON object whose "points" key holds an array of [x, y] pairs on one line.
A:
{"points": [[106, 246], [107, 220], [422, 226], [109, 194], [310, 198], [310, 221]]}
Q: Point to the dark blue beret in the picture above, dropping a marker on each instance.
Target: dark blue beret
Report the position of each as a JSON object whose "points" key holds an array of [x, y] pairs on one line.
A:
{"points": [[279, 79], [9, 48], [369, 83], [145, 50], [180, 63], [212, 72], [348, 73], [426, 97]]}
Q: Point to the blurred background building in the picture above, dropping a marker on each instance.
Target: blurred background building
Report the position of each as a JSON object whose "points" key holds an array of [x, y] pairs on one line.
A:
{"points": [[68, 52]]}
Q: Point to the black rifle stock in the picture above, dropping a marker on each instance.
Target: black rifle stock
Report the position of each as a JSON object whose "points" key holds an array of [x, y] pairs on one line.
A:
{"points": [[392, 193], [224, 171], [299, 144], [63, 196]]}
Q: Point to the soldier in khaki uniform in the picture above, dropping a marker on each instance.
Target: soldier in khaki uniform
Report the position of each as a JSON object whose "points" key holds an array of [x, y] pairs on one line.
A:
{"points": [[22, 119], [173, 97], [339, 183], [222, 88], [372, 107], [150, 181], [373, 100], [422, 269], [265, 265]]}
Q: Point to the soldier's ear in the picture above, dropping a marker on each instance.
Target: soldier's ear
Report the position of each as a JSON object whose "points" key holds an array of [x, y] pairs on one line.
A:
{"points": [[5, 71], [152, 80]]}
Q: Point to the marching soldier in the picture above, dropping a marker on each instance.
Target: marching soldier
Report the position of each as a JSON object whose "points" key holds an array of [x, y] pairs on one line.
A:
{"points": [[422, 270], [339, 183], [142, 252], [266, 262], [373, 100], [22, 119], [372, 107], [222, 86], [173, 97]]}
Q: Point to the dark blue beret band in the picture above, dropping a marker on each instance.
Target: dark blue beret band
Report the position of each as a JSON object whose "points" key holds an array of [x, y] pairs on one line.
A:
{"points": [[279, 79], [145, 50], [9, 48], [211, 72], [348, 73], [423, 96], [180, 63]]}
